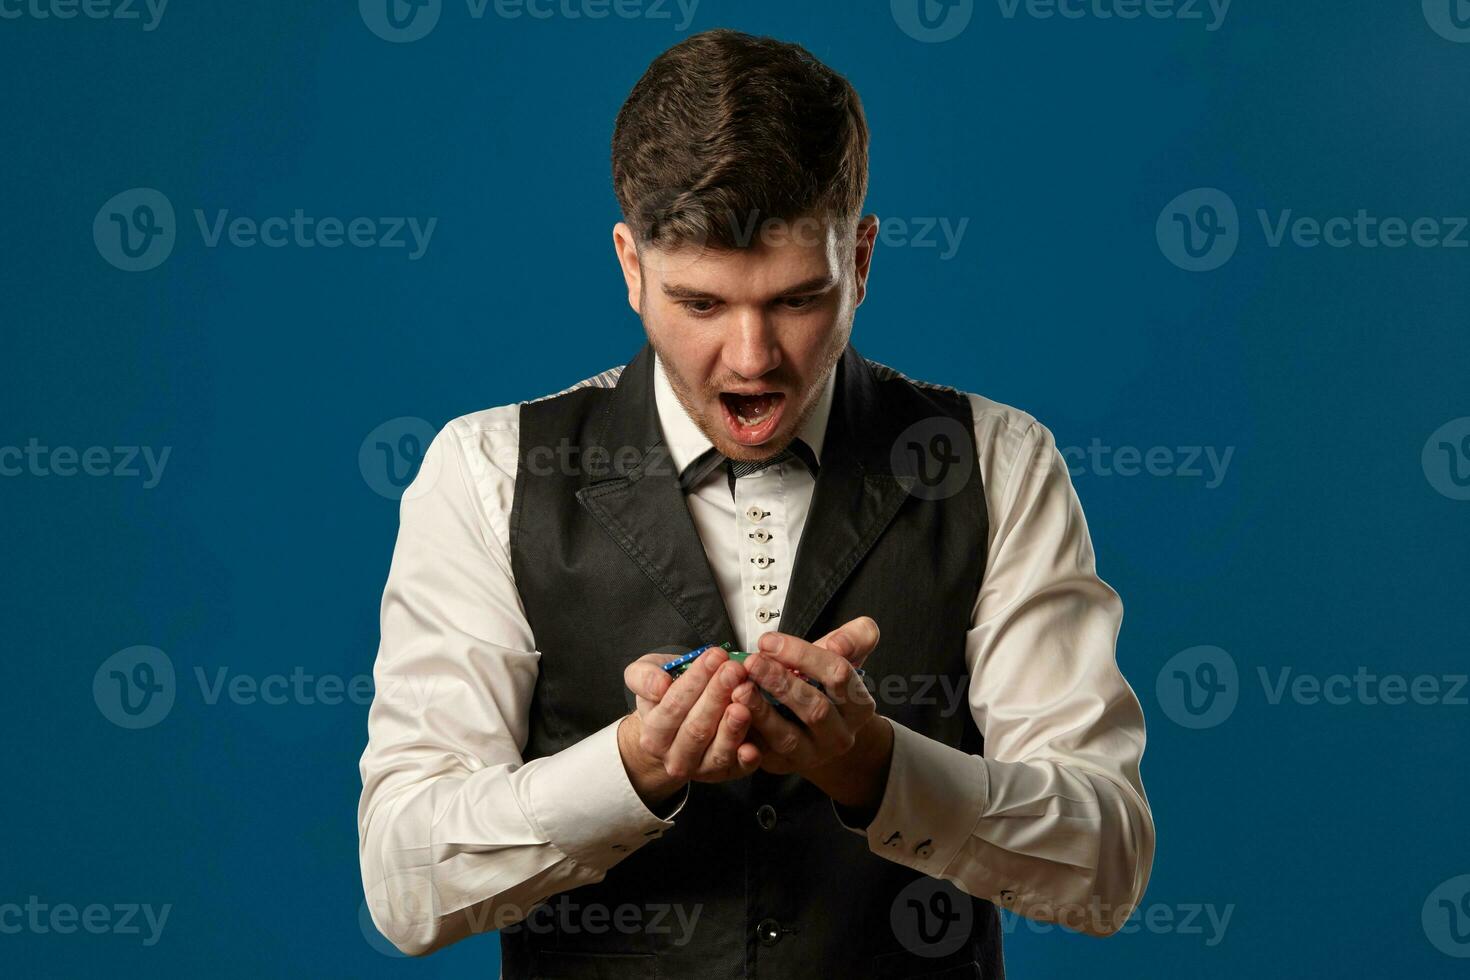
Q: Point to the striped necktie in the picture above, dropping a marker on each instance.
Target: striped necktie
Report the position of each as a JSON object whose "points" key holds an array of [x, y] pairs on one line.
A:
{"points": [[701, 466]]}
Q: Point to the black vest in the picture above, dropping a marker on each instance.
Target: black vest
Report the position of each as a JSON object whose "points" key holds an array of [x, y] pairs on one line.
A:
{"points": [[610, 567]]}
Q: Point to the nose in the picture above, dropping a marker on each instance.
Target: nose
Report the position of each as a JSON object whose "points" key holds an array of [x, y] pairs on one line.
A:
{"points": [[752, 348]]}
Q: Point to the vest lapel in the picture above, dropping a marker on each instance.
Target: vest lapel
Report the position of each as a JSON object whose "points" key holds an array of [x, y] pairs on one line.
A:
{"points": [[856, 496], [643, 509]]}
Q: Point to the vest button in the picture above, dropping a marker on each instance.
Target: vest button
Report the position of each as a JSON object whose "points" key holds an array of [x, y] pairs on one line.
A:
{"points": [[768, 931], [765, 815]]}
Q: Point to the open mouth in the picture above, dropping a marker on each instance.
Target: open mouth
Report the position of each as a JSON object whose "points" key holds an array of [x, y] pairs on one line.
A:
{"points": [[752, 419]]}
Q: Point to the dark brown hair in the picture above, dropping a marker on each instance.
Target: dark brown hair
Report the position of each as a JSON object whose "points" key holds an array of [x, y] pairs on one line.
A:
{"points": [[726, 131]]}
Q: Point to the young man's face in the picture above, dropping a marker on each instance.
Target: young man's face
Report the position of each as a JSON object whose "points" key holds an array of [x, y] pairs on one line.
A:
{"points": [[748, 337]]}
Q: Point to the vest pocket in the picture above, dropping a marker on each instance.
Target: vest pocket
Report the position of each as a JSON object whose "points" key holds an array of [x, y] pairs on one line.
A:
{"points": [[552, 965]]}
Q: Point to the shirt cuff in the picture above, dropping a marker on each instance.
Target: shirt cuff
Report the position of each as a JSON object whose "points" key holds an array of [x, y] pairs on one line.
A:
{"points": [[586, 806], [931, 803]]}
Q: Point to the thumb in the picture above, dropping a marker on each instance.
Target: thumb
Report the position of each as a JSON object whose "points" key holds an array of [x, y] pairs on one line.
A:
{"points": [[853, 641]]}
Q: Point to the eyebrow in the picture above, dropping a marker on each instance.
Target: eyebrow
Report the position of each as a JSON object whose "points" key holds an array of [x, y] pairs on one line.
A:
{"points": [[815, 284]]}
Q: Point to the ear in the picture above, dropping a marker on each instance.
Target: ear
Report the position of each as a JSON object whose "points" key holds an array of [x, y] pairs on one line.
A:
{"points": [[862, 257], [627, 252]]}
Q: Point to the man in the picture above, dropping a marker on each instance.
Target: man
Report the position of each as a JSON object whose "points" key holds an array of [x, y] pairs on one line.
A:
{"points": [[749, 478]]}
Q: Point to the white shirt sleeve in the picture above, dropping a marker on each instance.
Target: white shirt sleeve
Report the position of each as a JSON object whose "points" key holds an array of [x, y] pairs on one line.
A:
{"points": [[457, 834], [1052, 823]]}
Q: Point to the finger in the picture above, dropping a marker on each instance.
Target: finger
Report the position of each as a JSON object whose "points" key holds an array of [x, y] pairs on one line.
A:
{"points": [[783, 738], [750, 758], [646, 678], [702, 722], [837, 675], [854, 640], [722, 759], [661, 725], [825, 724], [768, 760]]}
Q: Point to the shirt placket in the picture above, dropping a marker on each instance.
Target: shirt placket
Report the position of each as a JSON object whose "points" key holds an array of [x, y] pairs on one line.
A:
{"points": [[761, 522]]}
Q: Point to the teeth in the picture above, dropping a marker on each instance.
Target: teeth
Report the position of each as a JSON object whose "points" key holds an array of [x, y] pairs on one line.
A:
{"points": [[757, 412]]}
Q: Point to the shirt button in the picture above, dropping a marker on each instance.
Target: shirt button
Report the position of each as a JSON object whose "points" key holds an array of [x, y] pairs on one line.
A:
{"points": [[762, 561], [768, 931], [766, 615], [761, 536], [765, 815], [763, 588], [754, 513]]}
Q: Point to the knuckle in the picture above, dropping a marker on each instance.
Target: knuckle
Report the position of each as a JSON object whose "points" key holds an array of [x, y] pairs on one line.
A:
{"points": [[821, 710]]}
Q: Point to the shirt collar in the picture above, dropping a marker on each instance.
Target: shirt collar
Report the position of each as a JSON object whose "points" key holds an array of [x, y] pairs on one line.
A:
{"points": [[686, 442]]}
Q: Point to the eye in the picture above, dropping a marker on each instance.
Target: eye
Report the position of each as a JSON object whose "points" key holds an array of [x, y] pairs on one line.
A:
{"points": [[799, 302], [698, 307]]}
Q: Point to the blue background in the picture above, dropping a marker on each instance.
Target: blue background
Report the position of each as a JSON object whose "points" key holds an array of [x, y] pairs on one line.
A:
{"points": [[263, 548]]}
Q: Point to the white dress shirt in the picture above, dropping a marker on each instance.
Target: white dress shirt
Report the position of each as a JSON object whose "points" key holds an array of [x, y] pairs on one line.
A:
{"points": [[458, 834]]}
